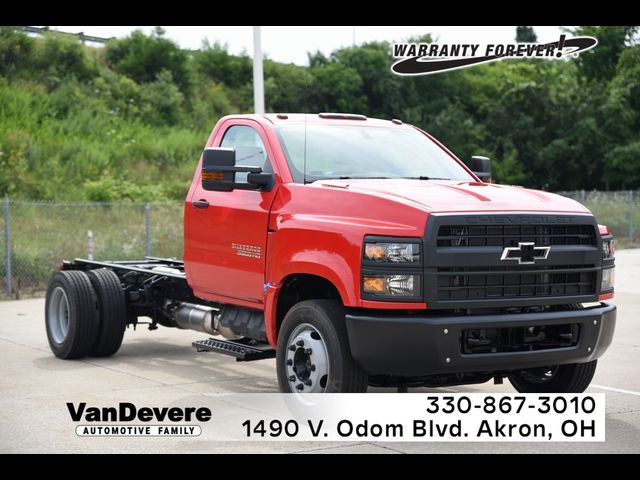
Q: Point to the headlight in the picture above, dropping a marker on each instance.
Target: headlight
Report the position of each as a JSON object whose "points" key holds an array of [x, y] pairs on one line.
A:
{"points": [[383, 252], [392, 268], [391, 285], [608, 248], [608, 279]]}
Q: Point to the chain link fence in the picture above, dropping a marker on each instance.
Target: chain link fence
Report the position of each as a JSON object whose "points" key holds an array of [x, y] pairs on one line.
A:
{"points": [[36, 235], [620, 211]]}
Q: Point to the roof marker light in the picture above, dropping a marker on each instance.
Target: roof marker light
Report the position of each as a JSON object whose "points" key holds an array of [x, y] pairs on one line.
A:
{"points": [[342, 116]]}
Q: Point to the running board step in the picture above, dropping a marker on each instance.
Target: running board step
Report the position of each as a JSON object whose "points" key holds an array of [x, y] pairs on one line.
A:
{"points": [[245, 350]]}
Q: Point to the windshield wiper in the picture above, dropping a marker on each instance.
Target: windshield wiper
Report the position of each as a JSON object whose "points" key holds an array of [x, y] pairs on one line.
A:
{"points": [[424, 177], [368, 178], [347, 177]]}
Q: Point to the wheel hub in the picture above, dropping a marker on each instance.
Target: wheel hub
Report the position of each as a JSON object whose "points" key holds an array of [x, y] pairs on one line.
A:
{"points": [[307, 362]]}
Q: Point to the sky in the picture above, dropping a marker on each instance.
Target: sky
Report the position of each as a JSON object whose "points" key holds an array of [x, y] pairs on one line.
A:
{"points": [[291, 44]]}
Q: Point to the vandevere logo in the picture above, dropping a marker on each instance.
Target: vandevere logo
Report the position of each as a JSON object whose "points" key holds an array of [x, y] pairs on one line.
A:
{"points": [[149, 421], [430, 58]]}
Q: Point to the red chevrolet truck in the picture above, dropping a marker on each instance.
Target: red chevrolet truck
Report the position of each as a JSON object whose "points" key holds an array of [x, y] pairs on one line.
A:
{"points": [[360, 252]]}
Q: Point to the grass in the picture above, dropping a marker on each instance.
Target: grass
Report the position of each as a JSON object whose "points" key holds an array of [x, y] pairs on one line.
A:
{"points": [[54, 148], [612, 209], [44, 233]]}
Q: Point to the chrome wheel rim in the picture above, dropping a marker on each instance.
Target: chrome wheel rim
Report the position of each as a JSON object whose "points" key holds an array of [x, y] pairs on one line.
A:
{"points": [[58, 315], [307, 360]]}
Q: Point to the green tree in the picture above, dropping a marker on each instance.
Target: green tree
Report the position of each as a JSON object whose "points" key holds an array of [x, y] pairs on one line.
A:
{"points": [[509, 170], [216, 63], [623, 166], [621, 121], [335, 87], [600, 62], [142, 58], [78, 122], [622, 107], [459, 131], [286, 87], [380, 88], [526, 34]]}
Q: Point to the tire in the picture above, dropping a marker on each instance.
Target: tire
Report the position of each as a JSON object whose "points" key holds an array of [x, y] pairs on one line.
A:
{"points": [[573, 378], [71, 315], [313, 354], [113, 312]]}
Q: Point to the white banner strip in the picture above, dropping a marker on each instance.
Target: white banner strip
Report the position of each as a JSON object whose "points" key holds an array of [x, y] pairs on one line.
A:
{"points": [[382, 417], [414, 417]]}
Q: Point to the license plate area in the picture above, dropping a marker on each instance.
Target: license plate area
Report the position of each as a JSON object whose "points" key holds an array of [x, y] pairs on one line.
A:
{"points": [[519, 339]]}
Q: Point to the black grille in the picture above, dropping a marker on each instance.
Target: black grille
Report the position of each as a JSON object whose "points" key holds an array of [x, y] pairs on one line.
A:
{"points": [[510, 235], [516, 282], [464, 266]]}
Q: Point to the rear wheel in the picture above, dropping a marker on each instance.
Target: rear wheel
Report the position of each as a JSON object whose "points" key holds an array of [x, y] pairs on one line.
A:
{"points": [[573, 378], [71, 315], [313, 351], [113, 312]]}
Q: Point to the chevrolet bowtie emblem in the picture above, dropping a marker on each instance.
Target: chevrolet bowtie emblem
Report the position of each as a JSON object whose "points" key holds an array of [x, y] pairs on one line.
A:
{"points": [[526, 253]]}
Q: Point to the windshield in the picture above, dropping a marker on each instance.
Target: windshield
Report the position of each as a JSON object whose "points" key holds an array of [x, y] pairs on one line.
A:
{"points": [[357, 151]]}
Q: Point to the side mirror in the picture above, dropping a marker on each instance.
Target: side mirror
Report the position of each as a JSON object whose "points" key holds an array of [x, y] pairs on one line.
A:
{"points": [[219, 172], [481, 166]]}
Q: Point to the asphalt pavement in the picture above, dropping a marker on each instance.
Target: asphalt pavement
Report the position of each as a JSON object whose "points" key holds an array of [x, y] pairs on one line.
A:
{"points": [[161, 368]]}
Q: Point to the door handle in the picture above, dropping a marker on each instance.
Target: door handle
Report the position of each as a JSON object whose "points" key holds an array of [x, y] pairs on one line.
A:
{"points": [[200, 203]]}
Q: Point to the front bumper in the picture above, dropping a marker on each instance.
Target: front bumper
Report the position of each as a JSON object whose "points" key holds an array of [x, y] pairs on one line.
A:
{"points": [[417, 345]]}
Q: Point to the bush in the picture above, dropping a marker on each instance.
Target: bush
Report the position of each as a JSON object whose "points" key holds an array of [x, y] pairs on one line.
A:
{"points": [[213, 62], [139, 111], [60, 56], [109, 189], [15, 178], [120, 93], [143, 58], [15, 51], [162, 100]]}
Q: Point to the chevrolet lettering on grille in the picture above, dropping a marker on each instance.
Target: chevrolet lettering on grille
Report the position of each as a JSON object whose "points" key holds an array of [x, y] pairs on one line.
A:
{"points": [[526, 253]]}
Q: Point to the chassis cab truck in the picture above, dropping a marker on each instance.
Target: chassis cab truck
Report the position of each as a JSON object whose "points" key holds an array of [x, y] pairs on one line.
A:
{"points": [[360, 252]]}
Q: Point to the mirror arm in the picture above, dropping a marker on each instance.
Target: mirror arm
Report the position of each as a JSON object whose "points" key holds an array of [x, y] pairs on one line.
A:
{"points": [[247, 186], [232, 169]]}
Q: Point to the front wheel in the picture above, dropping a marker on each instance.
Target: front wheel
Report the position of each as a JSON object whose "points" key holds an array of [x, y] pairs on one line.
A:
{"points": [[313, 351], [573, 378]]}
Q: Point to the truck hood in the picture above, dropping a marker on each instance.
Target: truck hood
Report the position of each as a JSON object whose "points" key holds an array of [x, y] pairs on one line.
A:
{"points": [[455, 196]]}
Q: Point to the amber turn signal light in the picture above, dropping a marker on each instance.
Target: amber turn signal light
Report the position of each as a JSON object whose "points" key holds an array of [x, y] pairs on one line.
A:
{"points": [[212, 176], [374, 284]]}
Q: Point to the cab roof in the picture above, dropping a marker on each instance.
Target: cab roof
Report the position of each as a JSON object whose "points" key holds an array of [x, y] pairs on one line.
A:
{"points": [[325, 118]]}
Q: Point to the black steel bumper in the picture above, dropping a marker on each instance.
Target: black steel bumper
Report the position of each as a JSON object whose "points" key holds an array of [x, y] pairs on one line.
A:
{"points": [[423, 345]]}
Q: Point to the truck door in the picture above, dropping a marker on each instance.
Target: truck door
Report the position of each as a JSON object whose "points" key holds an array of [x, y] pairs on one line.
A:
{"points": [[226, 248]]}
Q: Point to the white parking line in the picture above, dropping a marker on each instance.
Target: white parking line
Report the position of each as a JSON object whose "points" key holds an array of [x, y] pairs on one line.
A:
{"points": [[617, 390]]}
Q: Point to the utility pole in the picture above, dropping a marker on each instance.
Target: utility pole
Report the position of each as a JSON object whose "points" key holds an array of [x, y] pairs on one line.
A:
{"points": [[258, 75], [7, 247]]}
